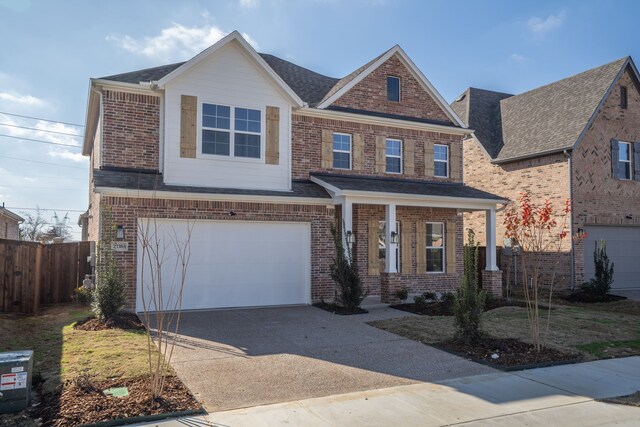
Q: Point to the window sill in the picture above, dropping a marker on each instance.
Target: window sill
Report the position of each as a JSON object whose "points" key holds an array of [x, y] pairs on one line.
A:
{"points": [[230, 158]]}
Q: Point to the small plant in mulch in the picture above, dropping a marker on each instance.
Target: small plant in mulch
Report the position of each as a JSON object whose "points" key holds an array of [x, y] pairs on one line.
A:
{"points": [[123, 320], [507, 353], [402, 294]]}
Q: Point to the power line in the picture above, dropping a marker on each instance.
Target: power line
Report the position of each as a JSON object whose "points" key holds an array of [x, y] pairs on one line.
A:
{"points": [[43, 163], [40, 130], [39, 140], [45, 209], [41, 188], [38, 176], [40, 118]]}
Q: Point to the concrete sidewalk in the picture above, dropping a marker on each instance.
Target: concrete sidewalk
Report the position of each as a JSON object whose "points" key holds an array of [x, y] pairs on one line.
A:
{"points": [[560, 395]]}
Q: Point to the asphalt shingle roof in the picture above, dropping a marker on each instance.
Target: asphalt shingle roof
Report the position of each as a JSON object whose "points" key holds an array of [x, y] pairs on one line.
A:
{"points": [[403, 186], [132, 180], [549, 118]]}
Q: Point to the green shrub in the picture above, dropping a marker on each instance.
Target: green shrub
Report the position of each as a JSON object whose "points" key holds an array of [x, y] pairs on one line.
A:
{"points": [[469, 301], [83, 296], [420, 302], [603, 277], [108, 297], [344, 273], [430, 296], [447, 297], [402, 294]]}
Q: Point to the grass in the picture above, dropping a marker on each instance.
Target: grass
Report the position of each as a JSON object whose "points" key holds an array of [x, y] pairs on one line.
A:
{"points": [[61, 352], [594, 333]]}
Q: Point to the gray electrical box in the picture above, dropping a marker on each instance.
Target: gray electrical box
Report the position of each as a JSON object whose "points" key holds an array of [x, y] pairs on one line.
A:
{"points": [[15, 380]]}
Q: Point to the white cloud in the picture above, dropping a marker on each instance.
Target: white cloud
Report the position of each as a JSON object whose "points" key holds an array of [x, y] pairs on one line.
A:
{"points": [[75, 155], [20, 99], [174, 43], [249, 4], [516, 57], [540, 27]]}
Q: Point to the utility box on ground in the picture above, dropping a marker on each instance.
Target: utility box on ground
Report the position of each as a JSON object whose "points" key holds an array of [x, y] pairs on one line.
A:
{"points": [[15, 380]]}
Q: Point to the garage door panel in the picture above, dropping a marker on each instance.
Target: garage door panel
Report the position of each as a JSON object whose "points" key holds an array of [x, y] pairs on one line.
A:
{"points": [[237, 263], [623, 248]]}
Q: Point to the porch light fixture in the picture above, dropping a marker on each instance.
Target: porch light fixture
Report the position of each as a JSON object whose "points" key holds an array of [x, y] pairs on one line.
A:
{"points": [[394, 238], [120, 232], [350, 238]]}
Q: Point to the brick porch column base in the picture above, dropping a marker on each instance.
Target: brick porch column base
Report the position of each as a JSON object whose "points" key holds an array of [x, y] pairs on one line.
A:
{"points": [[389, 284], [492, 282]]}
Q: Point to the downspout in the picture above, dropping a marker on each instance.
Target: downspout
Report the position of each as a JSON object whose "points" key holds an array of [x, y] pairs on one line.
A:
{"points": [[571, 253]]}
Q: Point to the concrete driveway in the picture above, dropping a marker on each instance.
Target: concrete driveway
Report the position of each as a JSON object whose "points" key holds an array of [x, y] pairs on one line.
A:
{"points": [[240, 358]]}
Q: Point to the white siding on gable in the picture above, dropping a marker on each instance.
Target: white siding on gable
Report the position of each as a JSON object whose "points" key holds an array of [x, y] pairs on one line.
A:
{"points": [[230, 78]]}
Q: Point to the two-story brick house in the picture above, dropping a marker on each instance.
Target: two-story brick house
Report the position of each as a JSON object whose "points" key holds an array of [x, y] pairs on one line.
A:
{"points": [[576, 139], [262, 156]]}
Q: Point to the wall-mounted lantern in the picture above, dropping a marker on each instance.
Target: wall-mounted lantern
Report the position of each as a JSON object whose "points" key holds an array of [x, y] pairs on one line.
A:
{"points": [[394, 238], [120, 232], [350, 238]]}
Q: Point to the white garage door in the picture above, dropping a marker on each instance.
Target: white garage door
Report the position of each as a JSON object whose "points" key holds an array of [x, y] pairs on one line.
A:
{"points": [[623, 248], [237, 264]]}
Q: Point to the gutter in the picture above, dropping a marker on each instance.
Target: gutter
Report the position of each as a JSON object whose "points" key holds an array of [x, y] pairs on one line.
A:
{"points": [[532, 155], [572, 252]]}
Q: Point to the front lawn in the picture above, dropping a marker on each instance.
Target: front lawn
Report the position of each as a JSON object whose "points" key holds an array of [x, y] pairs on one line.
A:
{"points": [[72, 367], [591, 334]]}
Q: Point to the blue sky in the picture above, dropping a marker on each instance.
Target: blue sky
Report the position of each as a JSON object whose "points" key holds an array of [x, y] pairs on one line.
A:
{"points": [[51, 48]]}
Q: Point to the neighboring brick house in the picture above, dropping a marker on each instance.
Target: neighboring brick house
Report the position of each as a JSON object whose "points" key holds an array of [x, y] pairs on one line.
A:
{"points": [[9, 224], [262, 156], [577, 139]]}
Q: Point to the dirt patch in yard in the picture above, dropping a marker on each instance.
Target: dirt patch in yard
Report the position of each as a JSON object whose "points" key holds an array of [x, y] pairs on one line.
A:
{"points": [[445, 308], [337, 309], [83, 402], [588, 298], [127, 321]]}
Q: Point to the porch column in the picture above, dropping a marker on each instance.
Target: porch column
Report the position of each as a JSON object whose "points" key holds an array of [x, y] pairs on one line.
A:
{"points": [[490, 222], [390, 258], [347, 218]]}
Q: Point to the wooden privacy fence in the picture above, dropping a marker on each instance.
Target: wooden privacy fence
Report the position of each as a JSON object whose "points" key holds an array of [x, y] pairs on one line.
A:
{"points": [[32, 273], [482, 261]]}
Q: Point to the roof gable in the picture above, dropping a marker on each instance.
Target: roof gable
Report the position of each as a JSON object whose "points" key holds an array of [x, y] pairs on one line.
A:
{"points": [[352, 81]]}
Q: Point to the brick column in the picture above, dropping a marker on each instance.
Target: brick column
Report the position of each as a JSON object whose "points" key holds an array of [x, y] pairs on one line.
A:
{"points": [[389, 284], [492, 282]]}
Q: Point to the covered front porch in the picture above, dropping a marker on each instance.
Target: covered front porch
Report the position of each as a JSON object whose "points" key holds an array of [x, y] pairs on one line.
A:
{"points": [[409, 234]]}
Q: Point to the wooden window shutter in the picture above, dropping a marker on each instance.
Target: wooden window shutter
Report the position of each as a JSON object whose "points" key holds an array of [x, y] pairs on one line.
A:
{"points": [[454, 163], [428, 159], [409, 157], [373, 247], [636, 161], [381, 154], [421, 247], [615, 164], [450, 247], [188, 126], [327, 149], [358, 152], [405, 247], [272, 144]]}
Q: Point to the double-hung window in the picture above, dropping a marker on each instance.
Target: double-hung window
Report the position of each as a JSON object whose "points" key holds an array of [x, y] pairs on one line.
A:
{"points": [[382, 246], [394, 156], [435, 247], [234, 132], [341, 151], [441, 161], [624, 160]]}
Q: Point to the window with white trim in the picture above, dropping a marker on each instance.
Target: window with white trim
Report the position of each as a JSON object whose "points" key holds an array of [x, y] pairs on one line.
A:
{"points": [[393, 89], [393, 156], [341, 151], [219, 137], [435, 247], [624, 160], [382, 246], [441, 161]]}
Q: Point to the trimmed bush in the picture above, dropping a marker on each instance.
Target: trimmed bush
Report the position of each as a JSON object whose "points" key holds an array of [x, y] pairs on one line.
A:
{"points": [[344, 273]]}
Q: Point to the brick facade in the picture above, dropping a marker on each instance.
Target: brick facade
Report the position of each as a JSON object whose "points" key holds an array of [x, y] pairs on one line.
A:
{"points": [[370, 94], [130, 130], [306, 146]]}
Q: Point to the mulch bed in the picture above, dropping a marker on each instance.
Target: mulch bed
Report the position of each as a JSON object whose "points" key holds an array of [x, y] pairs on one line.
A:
{"points": [[83, 402], [630, 400], [444, 308], [128, 321], [511, 353], [336, 309], [589, 298]]}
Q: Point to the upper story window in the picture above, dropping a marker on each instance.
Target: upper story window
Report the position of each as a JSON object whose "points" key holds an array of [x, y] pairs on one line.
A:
{"points": [[435, 247], [624, 160], [393, 88], [341, 151], [623, 97], [219, 137], [441, 161], [394, 156]]}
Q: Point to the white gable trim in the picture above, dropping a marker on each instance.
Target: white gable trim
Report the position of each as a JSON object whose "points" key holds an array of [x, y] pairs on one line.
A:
{"points": [[412, 68], [250, 51]]}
